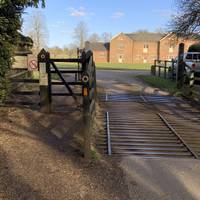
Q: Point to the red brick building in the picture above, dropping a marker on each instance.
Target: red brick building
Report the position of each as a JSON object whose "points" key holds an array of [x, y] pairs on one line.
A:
{"points": [[169, 46], [100, 50], [134, 48], [141, 47], [145, 47]]}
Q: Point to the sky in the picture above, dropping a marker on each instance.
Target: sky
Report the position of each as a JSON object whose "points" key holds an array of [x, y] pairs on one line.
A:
{"points": [[113, 16]]}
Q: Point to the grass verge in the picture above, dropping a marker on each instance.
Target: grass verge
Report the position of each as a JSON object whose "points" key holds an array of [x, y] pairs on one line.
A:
{"points": [[161, 83], [110, 66], [118, 66]]}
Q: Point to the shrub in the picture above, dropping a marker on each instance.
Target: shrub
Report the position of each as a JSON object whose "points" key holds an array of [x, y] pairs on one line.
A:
{"points": [[194, 48], [10, 23]]}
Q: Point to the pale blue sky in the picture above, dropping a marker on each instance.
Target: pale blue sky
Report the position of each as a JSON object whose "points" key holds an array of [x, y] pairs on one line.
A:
{"points": [[113, 16]]}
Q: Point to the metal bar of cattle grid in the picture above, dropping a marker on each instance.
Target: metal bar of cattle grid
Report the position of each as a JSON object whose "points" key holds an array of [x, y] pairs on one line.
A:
{"points": [[108, 134], [179, 137], [143, 98], [106, 96]]}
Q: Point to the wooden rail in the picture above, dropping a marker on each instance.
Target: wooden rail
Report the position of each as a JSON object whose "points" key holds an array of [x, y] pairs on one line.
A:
{"points": [[17, 78], [163, 68]]}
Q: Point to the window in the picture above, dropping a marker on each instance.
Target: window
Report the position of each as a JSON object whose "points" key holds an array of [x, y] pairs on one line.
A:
{"points": [[102, 55], [170, 57], [171, 49], [120, 46], [189, 56], [196, 56], [146, 48], [120, 38], [120, 58], [172, 45]]}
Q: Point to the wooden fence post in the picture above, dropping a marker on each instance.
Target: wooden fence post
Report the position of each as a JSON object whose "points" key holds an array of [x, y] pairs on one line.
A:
{"points": [[155, 64], [89, 98], [181, 65], [159, 70], [95, 82], [153, 69], [87, 127], [165, 70], [172, 72], [86, 109], [45, 81]]}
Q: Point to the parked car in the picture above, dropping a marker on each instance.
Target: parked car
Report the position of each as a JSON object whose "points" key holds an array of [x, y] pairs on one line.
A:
{"points": [[192, 63]]}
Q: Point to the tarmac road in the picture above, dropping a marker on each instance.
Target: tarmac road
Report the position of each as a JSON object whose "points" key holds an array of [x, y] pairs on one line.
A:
{"points": [[152, 178]]}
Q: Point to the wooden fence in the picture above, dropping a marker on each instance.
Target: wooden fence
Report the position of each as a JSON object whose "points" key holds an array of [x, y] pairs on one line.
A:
{"points": [[85, 76], [164, 68], [187, 79], [21, 85]]}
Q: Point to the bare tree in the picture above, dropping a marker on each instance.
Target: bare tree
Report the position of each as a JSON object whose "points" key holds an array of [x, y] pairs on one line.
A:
{"points": [[160, 30], [106, 37], [94, 38], [142, 31], [72, 50], [80, 34], [37, 30], [57, 52], [187, 21]]}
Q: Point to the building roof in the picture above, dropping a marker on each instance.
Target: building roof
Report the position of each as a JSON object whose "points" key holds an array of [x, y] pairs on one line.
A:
{"points": [[25, 40], [98, 46], [24, 45], [146, 36]]}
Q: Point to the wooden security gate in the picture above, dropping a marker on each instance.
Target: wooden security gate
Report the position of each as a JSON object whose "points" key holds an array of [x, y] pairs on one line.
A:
{"points": [[85, 76]]}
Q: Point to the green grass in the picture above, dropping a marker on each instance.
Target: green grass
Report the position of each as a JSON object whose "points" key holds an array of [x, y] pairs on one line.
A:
{"points": [[118, 66], [161, 83], [67, 65], [110, 66]]}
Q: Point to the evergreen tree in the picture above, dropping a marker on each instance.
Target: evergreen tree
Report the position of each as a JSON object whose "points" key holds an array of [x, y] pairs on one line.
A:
{"points": [[10, 23]]}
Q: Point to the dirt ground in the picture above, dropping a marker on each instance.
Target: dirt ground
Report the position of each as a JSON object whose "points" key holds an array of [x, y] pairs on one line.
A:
{"points": [[40, 158]]}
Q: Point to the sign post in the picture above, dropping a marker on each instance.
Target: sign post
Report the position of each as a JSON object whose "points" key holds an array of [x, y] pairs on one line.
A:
{"points": [[181, 66], [32, 65], [45, 81]]}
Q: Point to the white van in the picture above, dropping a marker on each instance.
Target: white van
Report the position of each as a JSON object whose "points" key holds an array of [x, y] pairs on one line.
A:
{"points": [[192, 61]]}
